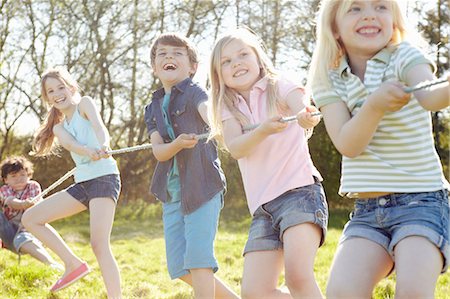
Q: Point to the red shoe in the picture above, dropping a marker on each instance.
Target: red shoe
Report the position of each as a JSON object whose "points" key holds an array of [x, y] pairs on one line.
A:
{"points": [[70, 278]]}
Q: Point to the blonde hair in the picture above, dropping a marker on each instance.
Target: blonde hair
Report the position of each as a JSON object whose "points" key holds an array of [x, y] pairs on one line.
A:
{"points": [[222, 96], [329, 50], [43, 143]]}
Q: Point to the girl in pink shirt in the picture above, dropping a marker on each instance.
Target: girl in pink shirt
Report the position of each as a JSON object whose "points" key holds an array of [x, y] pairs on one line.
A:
{"points": [[283, 188]]}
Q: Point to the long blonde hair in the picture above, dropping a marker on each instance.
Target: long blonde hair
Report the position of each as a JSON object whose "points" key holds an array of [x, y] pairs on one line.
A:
{"points": [[44, 140], [329, 50], [222, 96]]}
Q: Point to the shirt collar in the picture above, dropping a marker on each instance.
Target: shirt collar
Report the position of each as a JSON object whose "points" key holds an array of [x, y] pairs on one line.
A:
{"points": [[180, 86], [383, 56]]}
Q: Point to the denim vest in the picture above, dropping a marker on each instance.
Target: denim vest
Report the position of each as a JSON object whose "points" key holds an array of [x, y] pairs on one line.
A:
{"points": [[201, 176]]}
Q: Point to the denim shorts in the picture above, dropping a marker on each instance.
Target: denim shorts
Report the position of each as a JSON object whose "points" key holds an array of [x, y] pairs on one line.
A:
{"points": [[305, 204], [388, 219], [13, 239], [190, 238], [104, 186]]}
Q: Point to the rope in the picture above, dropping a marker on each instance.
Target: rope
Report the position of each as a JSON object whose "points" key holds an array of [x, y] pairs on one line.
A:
{"points": [[111, 152], [424, 85], [283, 120], [54, 185]]}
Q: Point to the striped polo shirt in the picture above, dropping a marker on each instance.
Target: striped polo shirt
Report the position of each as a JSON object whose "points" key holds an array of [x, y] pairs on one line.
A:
{"points": [[401, 156]]}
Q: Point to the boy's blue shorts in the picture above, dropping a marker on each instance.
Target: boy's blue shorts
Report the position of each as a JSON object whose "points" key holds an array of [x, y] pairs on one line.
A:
{"points": [[190, 238]]}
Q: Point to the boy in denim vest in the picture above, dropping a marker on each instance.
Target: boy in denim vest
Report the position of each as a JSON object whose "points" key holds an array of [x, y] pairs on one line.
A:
{"points": [[188, 179]]}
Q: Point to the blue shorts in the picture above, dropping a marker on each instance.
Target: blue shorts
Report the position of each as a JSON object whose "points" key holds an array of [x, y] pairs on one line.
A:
{"points": [[190, 238], [388, 219], [13, 239], [104, 186], [305, 204]]}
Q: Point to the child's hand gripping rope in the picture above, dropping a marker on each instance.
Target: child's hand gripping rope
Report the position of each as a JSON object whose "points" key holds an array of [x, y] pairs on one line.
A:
{"points": [[286, 119], [144, 146], [425, 84]]}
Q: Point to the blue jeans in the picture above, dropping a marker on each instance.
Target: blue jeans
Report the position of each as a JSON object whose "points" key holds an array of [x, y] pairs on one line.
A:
{"points": [[388, 219], [13, 239]]}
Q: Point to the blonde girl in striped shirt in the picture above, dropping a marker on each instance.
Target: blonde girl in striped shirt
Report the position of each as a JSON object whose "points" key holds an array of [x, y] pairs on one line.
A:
{"points": [[363, 60]]}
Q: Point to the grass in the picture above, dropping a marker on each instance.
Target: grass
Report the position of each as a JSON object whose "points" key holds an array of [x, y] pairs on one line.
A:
{"points": [[138, 245]]}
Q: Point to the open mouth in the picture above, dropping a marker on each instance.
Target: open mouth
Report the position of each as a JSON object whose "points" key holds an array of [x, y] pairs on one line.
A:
{"points": [[240, 73], [369, 30], [169, 67], [60, 100]]}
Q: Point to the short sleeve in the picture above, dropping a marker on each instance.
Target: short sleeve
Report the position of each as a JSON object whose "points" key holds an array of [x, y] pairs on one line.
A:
{"points": [[285, 86], [408, 57], [150, 119], [322, 96]]}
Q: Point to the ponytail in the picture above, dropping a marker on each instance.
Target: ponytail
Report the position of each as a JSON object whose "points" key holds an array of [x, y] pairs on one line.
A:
{"points": [[43, 143]]}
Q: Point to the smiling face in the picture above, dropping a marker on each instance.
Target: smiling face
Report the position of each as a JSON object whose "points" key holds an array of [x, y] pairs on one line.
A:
{"points": [[172, 65], [17, 180], [365, 27], [58, 94], [240, 67]]}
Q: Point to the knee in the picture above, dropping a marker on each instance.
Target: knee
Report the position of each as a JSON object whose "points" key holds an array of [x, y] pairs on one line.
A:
{"points": [[27, 219], [99, 247]]}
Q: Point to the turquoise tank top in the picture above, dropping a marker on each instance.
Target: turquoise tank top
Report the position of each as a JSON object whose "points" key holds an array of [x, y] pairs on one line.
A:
{"points": [[81, 129]]}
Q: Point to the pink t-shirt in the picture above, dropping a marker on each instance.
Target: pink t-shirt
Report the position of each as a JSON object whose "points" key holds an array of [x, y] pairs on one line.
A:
{"points": [[281, 162]]}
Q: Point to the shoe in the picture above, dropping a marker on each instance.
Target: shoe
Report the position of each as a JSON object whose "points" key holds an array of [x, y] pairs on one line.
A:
{"points": [[70, 278]]}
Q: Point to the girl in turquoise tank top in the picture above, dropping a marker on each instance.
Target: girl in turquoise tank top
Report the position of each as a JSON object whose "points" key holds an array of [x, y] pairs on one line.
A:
{"points": [[76, 123]]}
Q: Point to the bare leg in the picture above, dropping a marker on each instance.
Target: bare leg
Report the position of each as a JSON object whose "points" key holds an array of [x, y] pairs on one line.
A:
{"points": [[102, 217], [261, 272], [359, 264], [36, 219], [38, 252], [300, 247], [418, 264], [222, 291]]}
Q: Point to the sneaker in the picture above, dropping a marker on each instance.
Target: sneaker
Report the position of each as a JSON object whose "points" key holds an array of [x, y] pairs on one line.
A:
{"points": [[70, 278]]}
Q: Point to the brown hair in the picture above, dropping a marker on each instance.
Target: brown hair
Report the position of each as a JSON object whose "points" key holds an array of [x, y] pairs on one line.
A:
{"points": [[15, 164], [43, 143], [175, 40]]}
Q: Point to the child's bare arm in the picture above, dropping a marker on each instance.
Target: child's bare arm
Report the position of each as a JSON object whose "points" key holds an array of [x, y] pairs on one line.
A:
{"points": [[296, 102], [240, 145], [90, 112], [165, 151], [70, 144], [434, 98], [17, 204], [203, 111], [351, 135]]}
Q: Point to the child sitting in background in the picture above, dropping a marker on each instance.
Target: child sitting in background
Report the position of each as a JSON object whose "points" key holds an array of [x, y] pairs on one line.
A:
{"points": [[15, 197]]}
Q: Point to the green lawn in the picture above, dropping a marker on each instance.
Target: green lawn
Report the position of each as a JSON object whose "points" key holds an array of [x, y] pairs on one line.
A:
{"points": [[138, 245]]}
